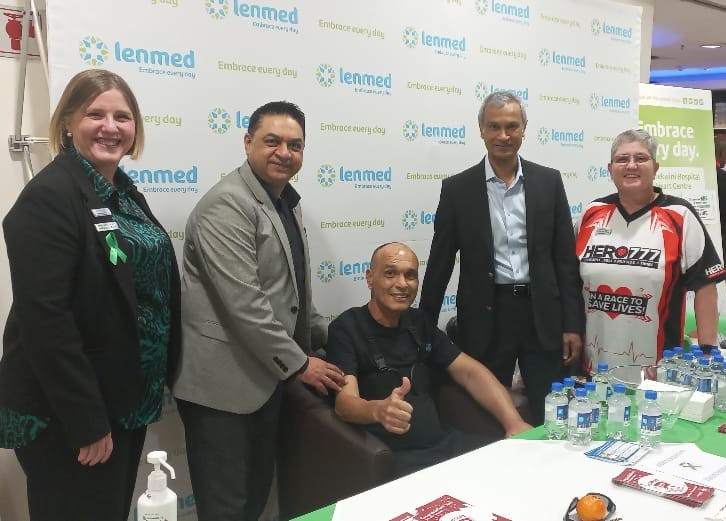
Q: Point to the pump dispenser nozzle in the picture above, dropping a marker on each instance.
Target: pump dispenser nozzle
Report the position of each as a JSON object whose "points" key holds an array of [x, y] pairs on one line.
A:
{"points": [[157, 478]]}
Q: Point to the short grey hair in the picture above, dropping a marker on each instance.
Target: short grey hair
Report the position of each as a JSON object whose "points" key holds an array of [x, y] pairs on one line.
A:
{"points": [[631, 136], [498, 100]]}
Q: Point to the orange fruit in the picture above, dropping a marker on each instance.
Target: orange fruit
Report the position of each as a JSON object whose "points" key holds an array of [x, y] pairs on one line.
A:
{"points": [[591, 508]]}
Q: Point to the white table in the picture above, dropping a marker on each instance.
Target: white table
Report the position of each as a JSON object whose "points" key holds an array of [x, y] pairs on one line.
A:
{"points": [[520, 479]]}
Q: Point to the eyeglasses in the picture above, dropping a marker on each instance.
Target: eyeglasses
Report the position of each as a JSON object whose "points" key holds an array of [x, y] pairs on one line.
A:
{"points": [[572, 509], [625, 159]]}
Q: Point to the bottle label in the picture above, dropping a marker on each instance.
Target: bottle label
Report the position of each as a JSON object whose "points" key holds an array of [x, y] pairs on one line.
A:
{"points": [[704, 385], [562, 414], [583, 421], [650, 424], [626, 416], [671, 375], [608, 392], [595, 417]]}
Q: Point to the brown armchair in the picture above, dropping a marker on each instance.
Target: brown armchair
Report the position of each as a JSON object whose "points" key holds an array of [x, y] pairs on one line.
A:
{"points": [[322, 459]]}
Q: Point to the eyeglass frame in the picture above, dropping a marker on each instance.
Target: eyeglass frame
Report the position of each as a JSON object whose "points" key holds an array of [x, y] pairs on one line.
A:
{"points": [[625, 159]]}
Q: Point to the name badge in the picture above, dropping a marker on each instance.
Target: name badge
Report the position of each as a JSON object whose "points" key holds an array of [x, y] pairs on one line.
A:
{"points": [[104, 227], [603, 231], [101, 212]]}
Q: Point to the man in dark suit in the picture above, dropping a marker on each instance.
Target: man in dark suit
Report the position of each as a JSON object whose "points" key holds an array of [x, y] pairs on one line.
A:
{"points": [[519, 297]]}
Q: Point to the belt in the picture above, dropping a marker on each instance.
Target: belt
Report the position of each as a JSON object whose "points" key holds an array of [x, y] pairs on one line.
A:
{"points": [[517, 290]]}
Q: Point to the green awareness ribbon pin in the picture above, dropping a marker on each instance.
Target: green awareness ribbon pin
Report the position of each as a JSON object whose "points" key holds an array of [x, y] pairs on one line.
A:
{"points": [[115, 252]]}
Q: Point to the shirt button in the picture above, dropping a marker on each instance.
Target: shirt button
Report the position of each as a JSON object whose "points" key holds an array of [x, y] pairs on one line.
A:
{"points": [[490, 275], [293, 309], [489, 308]]}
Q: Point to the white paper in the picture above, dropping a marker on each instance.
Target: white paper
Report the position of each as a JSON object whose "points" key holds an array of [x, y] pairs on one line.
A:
{"points": [[688, 462]]}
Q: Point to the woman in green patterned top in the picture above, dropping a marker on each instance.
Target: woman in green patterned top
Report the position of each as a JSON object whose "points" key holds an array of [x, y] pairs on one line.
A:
{"points": [[93, 333]]}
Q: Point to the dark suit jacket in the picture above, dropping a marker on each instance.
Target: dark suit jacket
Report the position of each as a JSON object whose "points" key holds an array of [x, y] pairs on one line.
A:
{"points": [[71, 347], [463, 225]]}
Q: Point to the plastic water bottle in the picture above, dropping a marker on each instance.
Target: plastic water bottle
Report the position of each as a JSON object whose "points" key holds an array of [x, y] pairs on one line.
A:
{"points": [[651, 420], [685, 370], [578, 419], [602, 386], [594, 407], [618, 414], [555, 413], [704, 377], [568, 387], [667, 368], [719, 374], [696, 352], [677, 353]]}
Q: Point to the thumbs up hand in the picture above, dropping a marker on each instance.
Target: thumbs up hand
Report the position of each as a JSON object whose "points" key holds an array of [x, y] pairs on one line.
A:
{"points": [[394, 413]]}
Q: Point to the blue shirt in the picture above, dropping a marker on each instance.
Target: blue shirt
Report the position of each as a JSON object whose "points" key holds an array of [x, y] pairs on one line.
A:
{"points": [[508, 216]]}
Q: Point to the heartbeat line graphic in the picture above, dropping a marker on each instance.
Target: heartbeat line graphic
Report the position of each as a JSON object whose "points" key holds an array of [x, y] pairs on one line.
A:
{"points": [[598, 349]]}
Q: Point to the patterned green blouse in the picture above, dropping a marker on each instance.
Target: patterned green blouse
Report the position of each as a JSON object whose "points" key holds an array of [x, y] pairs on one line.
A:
{"points": [[151, 264]]}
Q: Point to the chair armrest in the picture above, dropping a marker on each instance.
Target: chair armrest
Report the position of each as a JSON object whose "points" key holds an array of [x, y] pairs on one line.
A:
{"points": [[459, 410], [321, 458]]}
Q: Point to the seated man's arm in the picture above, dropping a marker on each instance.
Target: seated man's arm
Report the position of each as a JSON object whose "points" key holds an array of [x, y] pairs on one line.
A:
{"points": [[394, 413], [483, 386]]}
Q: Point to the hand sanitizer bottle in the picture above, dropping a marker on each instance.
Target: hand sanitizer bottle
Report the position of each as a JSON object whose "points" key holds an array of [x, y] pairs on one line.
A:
{"points": [[158, 503]]}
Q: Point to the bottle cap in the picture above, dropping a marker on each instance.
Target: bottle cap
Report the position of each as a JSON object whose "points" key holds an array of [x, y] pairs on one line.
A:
{"points": [[580, 392], [688, 356], [557, 387], [651, 395], [718, 359], [602, 367], [667, 353], [619, 388], [590, 386], [677, 350], [568, 382], [704, 361]]}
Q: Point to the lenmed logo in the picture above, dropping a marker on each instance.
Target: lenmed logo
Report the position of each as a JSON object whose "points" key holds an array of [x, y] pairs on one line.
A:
{"points": [[220, 121], [439, 44], [597, 173], [94, 51], [611, 30], [358, 178], [507, 11], [412, 218], [567, 62], [325, 271], [565, 138], [164, 179], [481, 6], [444, 135], [325, 75], [611, 104], [326, 176], [410, 37], [361, 81], [217, 9], [409, 220], [261, 16], [410, 130]]}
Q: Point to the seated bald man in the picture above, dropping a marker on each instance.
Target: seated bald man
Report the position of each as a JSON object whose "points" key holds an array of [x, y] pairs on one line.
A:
{"points": [[390, 353]]}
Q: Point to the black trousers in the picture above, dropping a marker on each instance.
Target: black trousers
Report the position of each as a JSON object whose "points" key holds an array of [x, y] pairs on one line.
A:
{"points": [[231, 458], [515, 339], [61, 489]]}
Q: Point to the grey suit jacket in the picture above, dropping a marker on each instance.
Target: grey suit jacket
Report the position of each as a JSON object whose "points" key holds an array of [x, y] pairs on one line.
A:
{"points": [[240, 299]]}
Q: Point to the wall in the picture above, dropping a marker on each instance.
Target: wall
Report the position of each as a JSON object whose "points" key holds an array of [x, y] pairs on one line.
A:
{"points": [[12, 491]]}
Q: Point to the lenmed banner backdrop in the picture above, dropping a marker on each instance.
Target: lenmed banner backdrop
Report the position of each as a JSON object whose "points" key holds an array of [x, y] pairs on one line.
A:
{"points": [[391, 92]]}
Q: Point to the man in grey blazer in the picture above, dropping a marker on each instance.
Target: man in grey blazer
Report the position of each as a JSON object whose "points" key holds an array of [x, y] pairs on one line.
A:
{"points": [[519, 295], [248, 321]]}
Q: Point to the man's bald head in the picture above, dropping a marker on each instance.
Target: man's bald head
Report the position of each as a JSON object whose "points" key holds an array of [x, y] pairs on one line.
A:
{"points": [[391, 248]]}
